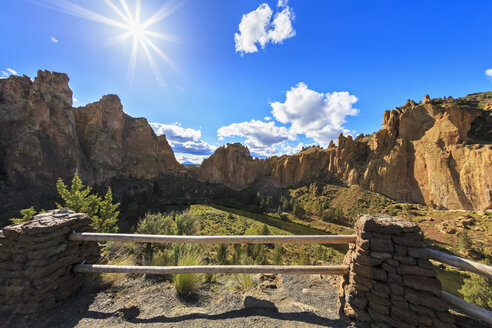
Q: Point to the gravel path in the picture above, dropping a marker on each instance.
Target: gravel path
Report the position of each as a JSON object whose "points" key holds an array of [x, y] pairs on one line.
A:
{"points": [[282, 301]]}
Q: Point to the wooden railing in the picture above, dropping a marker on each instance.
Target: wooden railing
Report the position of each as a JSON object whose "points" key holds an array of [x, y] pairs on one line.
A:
{"points": [[455, 302], [164, 239]]}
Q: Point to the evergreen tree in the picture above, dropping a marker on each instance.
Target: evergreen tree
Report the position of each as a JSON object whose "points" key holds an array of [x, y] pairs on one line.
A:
{"points": [[79, 199], [108, 215]]}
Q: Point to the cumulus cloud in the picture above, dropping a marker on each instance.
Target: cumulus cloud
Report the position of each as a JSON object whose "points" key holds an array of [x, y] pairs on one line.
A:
{"points": [[488, 73], [184, 141], [261, 137], [282, 26], [319, 116], [53, 39], [257, 27], [267, 118]]}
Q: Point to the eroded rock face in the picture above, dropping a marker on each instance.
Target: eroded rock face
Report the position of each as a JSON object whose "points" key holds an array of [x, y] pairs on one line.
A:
{"points": [[437, 151], [42, 138]]}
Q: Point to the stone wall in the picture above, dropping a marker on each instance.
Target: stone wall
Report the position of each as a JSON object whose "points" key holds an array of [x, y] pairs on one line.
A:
{"points": [[392, 282], [36, 260]]}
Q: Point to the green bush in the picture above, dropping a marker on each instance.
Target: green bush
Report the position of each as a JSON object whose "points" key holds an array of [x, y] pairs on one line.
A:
{"points": [[278, 253], [244, 280], [464, 242], [186, 223], [27, 215], [157, 224], [222, 254], [478, 290]]}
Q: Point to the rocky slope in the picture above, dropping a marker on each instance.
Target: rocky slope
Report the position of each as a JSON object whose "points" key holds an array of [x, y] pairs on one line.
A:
{"points": [[42, 138], [436, 151]]}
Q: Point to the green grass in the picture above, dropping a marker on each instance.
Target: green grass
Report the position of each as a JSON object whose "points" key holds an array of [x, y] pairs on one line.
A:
{"points": [[220, 220], [186, 283], [451, 280]]}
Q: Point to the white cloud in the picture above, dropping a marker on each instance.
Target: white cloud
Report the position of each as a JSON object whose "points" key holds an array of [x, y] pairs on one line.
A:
{"points": [[184, 141], [267, 118], [282, 3], [282, 26], [257, 27], [75, 99], [2, 77], [189, 158], [488, 73], [5, 74], [316, 115], [53, 39], [253, 29], [11, 71], [261, 137]]}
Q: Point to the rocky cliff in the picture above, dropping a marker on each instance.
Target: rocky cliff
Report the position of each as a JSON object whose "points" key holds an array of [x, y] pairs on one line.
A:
{"points": [[436, 151], [42, 138]]}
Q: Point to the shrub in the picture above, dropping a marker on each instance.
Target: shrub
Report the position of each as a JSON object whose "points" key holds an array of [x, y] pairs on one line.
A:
{"points": [[186, 223], [464, 242], [222, 254], [478, 290], [27, 215], [236, 256], [278, 253], [156, 224], [186, 283], [245, 281]]}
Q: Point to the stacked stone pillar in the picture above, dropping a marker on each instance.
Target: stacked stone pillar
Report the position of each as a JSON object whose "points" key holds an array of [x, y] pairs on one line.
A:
{"points": [[36, 261], [392, 283]]}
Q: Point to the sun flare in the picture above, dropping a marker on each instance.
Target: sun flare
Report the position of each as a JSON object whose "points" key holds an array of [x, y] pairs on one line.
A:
{"points": [[127, 18]]}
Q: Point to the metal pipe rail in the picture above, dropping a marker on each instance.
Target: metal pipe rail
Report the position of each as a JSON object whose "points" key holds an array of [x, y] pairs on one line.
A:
{"points": [[269, 239], [286, 269], [467, 265], [467, 308]]}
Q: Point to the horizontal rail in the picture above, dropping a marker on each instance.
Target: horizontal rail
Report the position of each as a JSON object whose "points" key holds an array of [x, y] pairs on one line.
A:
{"points": [[467, 308], [269, 239], [297, 269], [467, 265]]}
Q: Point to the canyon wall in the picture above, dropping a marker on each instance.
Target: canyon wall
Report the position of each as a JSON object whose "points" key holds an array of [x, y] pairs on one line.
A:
{"points": [[438, 151], [43, 138]]}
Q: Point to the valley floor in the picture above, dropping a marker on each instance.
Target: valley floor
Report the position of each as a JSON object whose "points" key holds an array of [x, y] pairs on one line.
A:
{"points": [[283, 301]]}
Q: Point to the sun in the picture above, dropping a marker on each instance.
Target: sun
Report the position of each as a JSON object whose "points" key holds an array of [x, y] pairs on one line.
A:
{"points": [[128, 19]]}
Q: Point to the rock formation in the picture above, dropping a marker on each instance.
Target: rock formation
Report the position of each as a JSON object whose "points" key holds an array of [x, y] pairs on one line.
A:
{"points": [[438, 151], [42, 138]]}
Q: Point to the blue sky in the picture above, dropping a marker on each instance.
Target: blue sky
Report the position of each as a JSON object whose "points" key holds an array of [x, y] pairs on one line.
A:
{"points": [[320, 67]]}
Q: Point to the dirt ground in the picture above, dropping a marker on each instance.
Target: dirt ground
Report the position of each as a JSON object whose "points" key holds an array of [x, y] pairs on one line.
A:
{"points": [[283, 301]]}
